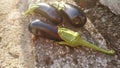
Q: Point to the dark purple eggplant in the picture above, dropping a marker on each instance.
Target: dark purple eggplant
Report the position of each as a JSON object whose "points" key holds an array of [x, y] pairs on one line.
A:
{"points": [[47, 11], [40, 28], [73, 15]]}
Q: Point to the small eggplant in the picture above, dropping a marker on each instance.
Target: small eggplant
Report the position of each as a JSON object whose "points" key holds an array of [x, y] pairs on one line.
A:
{"points": [[42, 29], [74, 15], [45, 10]]}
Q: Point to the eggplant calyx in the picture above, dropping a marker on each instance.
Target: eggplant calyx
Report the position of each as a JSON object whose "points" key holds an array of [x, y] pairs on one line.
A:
{"points": [[59, 5], [31, 8]]}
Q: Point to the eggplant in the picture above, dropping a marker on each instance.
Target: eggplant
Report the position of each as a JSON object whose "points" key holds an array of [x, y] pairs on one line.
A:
{"points": [[46, 11], [73, 15], [40, 28]]}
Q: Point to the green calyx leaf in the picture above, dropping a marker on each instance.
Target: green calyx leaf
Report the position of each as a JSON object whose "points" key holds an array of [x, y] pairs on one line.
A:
{"points": [[68, 36], [31, 8], [60, 5]]}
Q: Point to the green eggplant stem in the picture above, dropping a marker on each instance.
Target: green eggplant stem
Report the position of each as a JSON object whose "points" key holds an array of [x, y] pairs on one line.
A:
{"points": [[59, 5], [26, 12], [31, 8], [74, 39], [92, 46]]}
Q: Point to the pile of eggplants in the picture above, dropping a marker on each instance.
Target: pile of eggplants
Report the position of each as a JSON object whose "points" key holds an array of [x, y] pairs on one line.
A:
{"points": [[70, 13]]}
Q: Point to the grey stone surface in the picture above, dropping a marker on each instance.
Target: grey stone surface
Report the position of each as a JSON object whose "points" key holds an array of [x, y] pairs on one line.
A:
{"points": [[113, 5]]}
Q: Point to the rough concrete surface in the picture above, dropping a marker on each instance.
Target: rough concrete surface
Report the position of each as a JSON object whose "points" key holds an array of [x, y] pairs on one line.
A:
{"points": [[17, 50], [15, 40], [114, 5]]}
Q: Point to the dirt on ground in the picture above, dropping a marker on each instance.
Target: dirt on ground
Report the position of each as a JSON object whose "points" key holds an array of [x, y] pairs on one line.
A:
{"points": [[17, 49], [15, 40]]}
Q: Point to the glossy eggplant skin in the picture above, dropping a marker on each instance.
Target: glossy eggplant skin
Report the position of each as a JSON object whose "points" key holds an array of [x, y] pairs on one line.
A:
{"points": [[40, 28], [74, 15], [49, 12]]}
